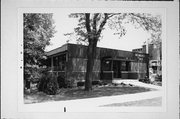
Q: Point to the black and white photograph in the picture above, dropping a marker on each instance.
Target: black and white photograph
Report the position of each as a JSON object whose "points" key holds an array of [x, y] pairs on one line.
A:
{"points": [[93, 59], [97, 59]]}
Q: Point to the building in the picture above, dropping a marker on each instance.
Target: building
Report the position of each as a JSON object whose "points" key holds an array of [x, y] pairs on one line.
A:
{"points": [[69, 61], [155, 56]]}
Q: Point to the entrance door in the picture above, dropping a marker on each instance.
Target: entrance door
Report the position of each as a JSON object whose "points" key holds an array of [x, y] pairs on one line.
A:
{"points": [[117, 69]]}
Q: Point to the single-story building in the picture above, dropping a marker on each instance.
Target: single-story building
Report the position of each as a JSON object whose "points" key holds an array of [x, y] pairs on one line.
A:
{"points": [[70, 60]]}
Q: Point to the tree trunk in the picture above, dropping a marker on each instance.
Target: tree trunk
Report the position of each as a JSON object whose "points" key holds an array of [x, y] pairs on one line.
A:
{"points": [[91, 53]]}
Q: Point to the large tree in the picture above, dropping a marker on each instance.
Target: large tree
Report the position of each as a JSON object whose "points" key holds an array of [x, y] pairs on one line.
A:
{"points": [[38, 30], [90, 27]]}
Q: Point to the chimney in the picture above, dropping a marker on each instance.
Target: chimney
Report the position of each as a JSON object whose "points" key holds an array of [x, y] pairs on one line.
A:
{"points": [[147, 46]]}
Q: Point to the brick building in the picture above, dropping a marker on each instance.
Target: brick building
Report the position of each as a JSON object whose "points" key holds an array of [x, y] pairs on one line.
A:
{"points": [[70, 60]]}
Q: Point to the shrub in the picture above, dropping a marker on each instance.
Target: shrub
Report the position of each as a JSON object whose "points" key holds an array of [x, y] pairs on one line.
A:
{"points": [[145, 80], [43, 80], [49, 84], [80, 83], [52, 86], [159, 78], [33, 78], [61, 82], [95, 82], [70, 83]]}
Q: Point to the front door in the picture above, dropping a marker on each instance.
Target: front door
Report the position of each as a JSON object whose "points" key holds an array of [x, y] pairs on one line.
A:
{"points": [[117, 69]]}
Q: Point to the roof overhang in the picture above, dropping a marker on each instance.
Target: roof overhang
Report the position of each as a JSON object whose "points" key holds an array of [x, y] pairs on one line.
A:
{"points": [[57, 50]]}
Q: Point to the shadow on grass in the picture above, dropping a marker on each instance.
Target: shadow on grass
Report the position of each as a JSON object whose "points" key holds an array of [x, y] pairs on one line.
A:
{"points": [[79, 93]]}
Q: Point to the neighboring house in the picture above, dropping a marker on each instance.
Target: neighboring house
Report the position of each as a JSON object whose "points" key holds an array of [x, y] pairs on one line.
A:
{"points": [[155, 56], [69, 61]]}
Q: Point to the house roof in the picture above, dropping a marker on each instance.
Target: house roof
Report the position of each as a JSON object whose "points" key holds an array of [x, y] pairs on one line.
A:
{"points": [[77, 50], [57, 50]]}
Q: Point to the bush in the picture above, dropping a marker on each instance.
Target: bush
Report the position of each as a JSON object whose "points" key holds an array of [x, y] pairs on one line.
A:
{"points": [[70, 83], [43, 80], [159, 78], [145, 80], [61, 82], [49, 84], [80, 83], [96, 82], [33, 77]]}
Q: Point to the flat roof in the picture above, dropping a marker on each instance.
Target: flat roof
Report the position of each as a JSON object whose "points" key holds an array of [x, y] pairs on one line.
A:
{"points": [[64, 48], [57, 50]]}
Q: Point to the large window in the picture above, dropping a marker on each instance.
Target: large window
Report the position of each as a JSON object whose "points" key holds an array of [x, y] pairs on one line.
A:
{"points": [[106, 65], [125, 66], [59, 62]]}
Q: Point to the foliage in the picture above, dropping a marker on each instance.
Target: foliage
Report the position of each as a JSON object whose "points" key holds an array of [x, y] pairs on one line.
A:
{"points": [[152, 24], [38, 30], [49, 84], [70, 83], [61, 81], [115, 21]]}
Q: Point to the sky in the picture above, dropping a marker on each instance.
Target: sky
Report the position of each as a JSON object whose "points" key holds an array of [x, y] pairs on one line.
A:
{"points": [[134, 38]]}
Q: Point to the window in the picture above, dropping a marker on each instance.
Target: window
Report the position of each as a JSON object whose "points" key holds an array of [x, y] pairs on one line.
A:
{"points": [[125, 66], [106, 65], [59, 62]]}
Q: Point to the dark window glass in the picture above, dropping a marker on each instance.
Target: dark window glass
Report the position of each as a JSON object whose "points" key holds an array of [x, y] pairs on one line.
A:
{"points": [[48, 62], [59, 62], [106, 65], [125, 66]]}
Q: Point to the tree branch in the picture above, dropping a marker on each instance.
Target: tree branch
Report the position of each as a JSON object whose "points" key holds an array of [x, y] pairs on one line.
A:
{"points": [[87, 17], [111, 15], [95, 22], [102, 24]]}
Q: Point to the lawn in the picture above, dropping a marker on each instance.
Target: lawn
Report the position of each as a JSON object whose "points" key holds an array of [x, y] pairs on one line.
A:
{"points": [[79, 93]]}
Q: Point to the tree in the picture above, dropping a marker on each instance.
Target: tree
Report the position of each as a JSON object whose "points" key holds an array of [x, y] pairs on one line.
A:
{"points": [[38, 30], [90, 27]]}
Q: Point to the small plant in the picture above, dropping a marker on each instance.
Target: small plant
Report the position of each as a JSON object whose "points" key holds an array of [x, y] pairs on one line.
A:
{"points": [[145, 80], [70, 83], [96, 82], [80, 83]]}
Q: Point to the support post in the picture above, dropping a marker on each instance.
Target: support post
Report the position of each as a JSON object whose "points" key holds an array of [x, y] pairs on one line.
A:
{"points": [[112, 69], [52, 63]]}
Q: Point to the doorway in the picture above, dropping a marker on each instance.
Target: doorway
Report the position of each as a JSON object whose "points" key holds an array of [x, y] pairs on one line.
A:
{"points": [[117, 69]]}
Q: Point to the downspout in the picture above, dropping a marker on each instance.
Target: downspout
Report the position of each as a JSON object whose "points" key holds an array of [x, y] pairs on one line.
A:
{"points": [[147, 62]]}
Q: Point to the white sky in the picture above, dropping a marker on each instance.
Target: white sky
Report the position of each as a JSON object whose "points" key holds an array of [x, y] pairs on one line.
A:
{"points": [[134, 38]]}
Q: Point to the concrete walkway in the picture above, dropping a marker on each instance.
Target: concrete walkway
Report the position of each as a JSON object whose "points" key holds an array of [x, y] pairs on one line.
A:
{"points": [[138, 83]]}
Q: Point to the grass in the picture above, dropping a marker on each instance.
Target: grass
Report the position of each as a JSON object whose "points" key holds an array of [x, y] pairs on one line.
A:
{"points": [[147, 102], [79, 93]]}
